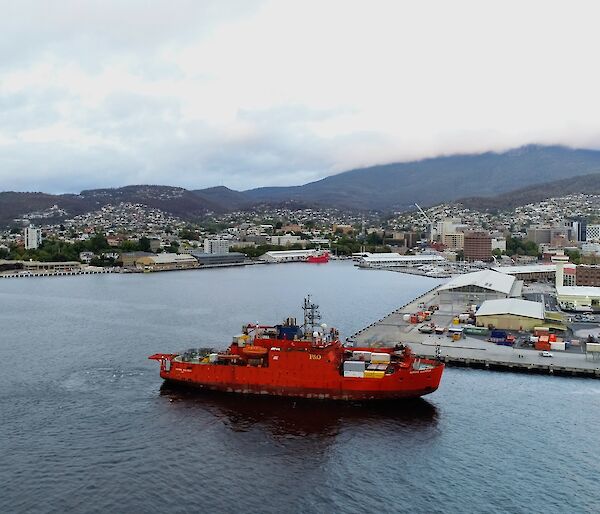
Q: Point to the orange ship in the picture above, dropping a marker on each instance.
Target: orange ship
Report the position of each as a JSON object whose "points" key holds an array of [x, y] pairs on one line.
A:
{"points": [[318, 258], [307, 361]]}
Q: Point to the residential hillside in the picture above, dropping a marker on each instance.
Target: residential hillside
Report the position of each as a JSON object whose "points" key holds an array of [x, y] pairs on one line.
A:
{"points": [[589, 184], [484, 180]]}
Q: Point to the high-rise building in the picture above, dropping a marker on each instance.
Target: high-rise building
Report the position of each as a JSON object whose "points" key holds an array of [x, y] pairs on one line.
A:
{"points": [[579, 225], [592, 233], [478, 246], [33, 238], [216, 246]]}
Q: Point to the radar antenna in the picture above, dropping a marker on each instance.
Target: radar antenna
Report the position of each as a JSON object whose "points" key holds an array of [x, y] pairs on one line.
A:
{"points": [[311, 315]]}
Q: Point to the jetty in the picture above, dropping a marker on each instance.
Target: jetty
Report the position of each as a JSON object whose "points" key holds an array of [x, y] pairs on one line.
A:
{"points": [[470, 351]]}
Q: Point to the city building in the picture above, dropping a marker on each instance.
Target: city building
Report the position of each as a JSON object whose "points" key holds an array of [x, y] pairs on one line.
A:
{"points": [[592, 233], [510, 314], [477, 246], [587, 276], [477, 287], [285, 240], [33, 238], [454, 240], [579, 226], [570, 276], [217, 245]]}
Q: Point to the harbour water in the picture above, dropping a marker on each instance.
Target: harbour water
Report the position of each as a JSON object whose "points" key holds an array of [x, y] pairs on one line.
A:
{"points": [[86, 425]]}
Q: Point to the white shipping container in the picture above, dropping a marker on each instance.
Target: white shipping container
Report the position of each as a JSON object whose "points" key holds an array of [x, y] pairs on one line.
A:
{"points": [[354, 366], [213, 357], [557, 346], [362, 355], [463, 317], [406, 317], [378, 358], [354, 374]]}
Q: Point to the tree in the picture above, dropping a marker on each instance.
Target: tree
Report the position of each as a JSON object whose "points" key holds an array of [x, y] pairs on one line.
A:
{"points": [[144, 244]]}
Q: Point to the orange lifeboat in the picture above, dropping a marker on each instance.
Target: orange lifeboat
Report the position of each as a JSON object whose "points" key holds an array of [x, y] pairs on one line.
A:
{"points": [[254, 351]]}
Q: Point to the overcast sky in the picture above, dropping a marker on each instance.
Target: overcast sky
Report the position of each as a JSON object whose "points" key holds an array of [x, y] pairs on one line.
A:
{"points": [[250, 93]]}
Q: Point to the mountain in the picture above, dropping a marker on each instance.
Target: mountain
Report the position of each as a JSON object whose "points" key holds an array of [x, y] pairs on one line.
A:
{"points": [[174, 200], [441, 179], [589, 184], [529, 173], [225, 198]]}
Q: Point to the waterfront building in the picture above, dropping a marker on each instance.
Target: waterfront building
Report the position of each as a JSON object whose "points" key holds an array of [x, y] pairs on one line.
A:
{"points": [[129, 259], [480, 286], [33, 238], [510, 314], [217, 246], [386, 260], [288, 255], [166, 262], [212, 259], [477, 246]]}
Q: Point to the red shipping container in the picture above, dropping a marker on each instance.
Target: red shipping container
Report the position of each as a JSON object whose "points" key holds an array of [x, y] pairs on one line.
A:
{"points": [[542, 345], [553, 338]]}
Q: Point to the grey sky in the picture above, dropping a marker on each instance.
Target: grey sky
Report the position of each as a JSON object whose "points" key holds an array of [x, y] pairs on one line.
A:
{"points": [[245, 94]]}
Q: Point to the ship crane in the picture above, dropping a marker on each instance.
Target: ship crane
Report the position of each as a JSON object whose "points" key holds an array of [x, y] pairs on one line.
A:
{"points": [[430, 223]]}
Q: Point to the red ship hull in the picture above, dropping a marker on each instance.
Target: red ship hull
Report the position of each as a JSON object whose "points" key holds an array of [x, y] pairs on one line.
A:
{"points": [[304, 373], [318, 259]]}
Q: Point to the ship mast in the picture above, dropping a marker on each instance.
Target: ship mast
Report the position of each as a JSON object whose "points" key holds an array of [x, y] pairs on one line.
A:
{"points": [[311, 316]]}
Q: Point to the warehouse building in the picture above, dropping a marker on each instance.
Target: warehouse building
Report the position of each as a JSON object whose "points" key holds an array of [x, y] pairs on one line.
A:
{"points": [[545, 272], [578, 298], [216, 259], [477, 287], [510, 314], [167, 262], [287, 256], [387, 260]]}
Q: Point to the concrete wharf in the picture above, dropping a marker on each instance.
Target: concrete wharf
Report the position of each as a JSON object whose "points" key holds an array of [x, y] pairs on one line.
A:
{"points": [[470, 351]]}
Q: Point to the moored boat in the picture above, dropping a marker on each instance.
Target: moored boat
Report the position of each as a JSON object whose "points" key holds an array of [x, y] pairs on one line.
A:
{"points": [[307, 361]]}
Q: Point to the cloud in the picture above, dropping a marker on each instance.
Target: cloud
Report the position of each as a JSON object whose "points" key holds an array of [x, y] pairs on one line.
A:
{"points": [[246, 94]]}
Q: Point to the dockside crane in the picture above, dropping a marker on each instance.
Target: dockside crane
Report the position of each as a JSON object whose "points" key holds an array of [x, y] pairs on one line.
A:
{"points": [[430, 223]]}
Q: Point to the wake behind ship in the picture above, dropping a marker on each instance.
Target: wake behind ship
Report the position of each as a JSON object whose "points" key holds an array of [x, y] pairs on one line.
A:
{"points": [[307, 361]]}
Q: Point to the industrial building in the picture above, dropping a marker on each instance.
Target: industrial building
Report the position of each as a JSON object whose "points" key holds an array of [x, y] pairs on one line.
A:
{"points": [[216, 259], [477, 246], [287, 255], [477, 287], [532, 272], [387, 260], [167, 262], [510, 314], [578, 298]]}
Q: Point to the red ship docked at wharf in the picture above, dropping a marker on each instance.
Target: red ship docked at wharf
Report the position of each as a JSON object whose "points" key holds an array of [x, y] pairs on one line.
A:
{"points": [[307, 361]]}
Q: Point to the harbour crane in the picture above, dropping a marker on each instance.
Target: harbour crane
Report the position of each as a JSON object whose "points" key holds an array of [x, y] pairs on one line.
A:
{"points": [[430, 223]]}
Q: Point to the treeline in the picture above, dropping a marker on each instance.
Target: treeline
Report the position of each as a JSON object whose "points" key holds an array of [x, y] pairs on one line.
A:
{"points": [[55, 250]]}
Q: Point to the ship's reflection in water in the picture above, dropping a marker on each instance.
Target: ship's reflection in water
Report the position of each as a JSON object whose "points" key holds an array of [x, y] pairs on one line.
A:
{"points": [[287, 417]]}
